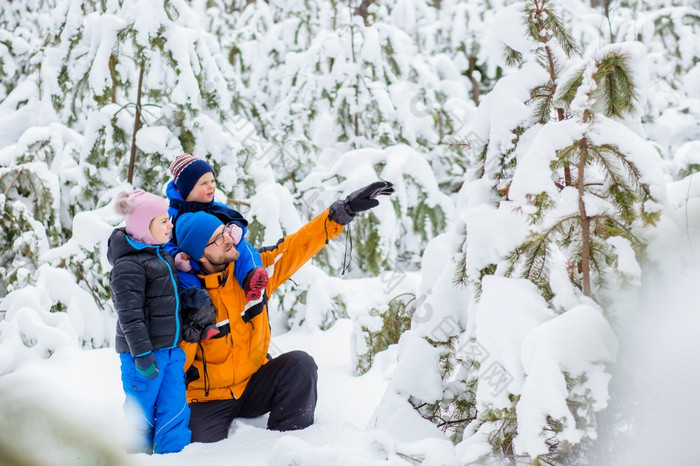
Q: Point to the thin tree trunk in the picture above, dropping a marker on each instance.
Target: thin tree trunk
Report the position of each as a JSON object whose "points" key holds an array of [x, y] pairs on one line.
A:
{"points": [[551, 69], [475, 83], [605, 6], [137, 125], [9, 186], [113, 75], [567, 169], [585, 222], [604, 3], [362, 9], [356, 120], [602, 428]]}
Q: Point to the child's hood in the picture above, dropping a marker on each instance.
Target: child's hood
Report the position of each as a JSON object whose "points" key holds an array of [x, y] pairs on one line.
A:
{"points": [[120, 245], [172, 192]]}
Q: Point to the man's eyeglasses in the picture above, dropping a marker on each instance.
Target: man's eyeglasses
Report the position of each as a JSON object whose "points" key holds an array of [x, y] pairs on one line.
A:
{"points": [[219, 240]]}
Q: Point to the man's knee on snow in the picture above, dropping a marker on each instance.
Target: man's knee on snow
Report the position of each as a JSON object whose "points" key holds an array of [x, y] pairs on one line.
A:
{"points": [[303, 362]]}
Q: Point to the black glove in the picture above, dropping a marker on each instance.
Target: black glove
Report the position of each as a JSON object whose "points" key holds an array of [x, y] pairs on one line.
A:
{"points": [[191, 375], [363, 199], [195, 320], [147, 366], [193, 298]]}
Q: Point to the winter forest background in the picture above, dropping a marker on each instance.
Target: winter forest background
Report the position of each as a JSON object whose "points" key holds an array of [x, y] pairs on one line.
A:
{"points": [[534, 276]]}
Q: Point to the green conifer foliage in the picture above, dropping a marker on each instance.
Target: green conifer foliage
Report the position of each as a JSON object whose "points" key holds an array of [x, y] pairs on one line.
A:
{"points": [[30, 220], [600, 197], [394, 321], [456, 410], [613, 201], [14, 58], [551, 45], [601, 170], [669, 29], [119, 77], [22, 240]]}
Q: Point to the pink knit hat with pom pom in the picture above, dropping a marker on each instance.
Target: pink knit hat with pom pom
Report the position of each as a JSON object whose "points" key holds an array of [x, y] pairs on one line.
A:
{"points": [[139, 208]]}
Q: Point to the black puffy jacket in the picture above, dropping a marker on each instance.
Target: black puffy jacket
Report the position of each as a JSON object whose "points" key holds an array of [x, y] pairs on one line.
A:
{"points": [[145, 295]]}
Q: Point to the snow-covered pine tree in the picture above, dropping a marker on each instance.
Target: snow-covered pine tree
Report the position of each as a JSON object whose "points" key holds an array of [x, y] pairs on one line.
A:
{"points": [[550, 43], [262, 39], [21, 24], [613, 191], [594, 218], [451, 35], [520, 102], [586, 210], [670, 30], [33, 215], [338, 82], [527, 112], [144, 83], [364, 81], [26, 188], [54, 290], [110, 80], [78, 75], [39, 169]]}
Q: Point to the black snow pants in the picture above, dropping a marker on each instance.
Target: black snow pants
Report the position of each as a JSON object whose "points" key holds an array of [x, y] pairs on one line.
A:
{"points": [[285, 387]]}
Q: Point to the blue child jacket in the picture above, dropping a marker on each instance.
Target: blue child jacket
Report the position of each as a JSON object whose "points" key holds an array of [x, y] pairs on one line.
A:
{"points": [[249, 257]]}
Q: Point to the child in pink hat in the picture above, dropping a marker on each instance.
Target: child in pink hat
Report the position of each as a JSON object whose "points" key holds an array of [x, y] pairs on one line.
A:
{"points": [[145, 294]]}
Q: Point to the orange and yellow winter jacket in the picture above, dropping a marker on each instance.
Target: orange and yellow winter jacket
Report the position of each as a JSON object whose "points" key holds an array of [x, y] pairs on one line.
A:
{"points": [[226, 364]]}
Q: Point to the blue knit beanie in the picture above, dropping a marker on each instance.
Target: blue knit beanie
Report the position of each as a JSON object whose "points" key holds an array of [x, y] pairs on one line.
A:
{"points": [[193, 232], [186, 170]]}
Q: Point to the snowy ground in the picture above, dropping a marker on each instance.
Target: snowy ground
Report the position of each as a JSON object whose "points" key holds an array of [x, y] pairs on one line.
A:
{"points": [[86, 386]]}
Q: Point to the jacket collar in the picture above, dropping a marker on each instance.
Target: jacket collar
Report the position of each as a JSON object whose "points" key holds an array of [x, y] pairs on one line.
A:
{"points": [[138, 245], [120, 245], [215, 280]]}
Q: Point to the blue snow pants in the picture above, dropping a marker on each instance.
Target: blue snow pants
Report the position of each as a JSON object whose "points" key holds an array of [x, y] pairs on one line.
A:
{"points": [[165, 416]]}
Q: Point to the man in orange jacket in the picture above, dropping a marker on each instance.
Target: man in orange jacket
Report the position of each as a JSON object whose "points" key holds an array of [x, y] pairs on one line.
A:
{"points": [[236, 376]]}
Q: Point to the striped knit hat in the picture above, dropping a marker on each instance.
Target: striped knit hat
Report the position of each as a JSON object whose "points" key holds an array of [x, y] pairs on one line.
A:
{"points": [[186, 170]]}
